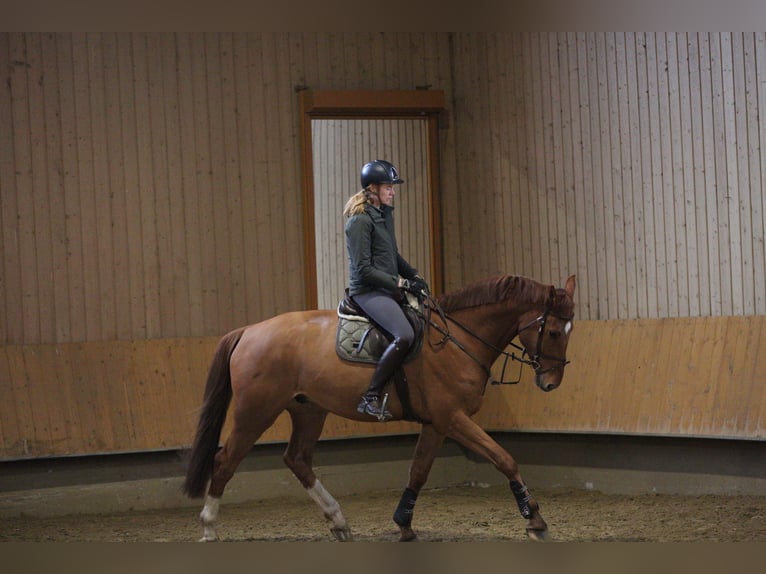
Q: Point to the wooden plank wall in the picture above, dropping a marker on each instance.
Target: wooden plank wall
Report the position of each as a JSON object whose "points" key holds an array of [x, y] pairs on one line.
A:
{"points": [[146, 177], [691, 376], [151, 182], [697, 377], [150, 194], [633, 159]]}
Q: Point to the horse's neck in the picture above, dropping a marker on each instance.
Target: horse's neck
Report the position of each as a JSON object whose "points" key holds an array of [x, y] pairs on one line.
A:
{"points": [[496, 324]]}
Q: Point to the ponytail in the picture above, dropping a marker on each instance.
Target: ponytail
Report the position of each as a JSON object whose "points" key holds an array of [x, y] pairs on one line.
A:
{"points": [[355, 204]]}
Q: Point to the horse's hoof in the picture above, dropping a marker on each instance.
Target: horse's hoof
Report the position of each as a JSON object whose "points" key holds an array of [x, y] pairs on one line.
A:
{"points": [[408, 535], [209, 533], [342, 534], [538, 535]]}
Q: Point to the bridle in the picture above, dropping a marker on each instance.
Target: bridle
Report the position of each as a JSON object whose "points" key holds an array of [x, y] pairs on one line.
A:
{"points": [[533, 360]]}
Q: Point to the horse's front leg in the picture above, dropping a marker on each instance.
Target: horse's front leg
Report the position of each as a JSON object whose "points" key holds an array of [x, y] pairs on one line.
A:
{"points": [[470, 435], [425, 453]]}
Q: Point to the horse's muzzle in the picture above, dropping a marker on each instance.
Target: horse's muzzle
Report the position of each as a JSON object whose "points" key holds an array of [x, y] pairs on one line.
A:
{"points": [[547, 387]]}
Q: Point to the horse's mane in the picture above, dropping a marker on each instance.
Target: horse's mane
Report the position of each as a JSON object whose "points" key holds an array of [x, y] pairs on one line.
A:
{"points": [[494, 290]]}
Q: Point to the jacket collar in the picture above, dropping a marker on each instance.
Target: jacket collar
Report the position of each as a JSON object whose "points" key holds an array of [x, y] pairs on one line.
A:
{"points": [[382, 212]]}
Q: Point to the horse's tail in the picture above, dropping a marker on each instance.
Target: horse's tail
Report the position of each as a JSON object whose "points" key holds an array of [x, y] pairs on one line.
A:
{"points": [[212, 417]]}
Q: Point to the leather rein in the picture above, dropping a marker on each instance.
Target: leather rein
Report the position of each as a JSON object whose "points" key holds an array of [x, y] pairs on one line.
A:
{"points": [[533, 361]]}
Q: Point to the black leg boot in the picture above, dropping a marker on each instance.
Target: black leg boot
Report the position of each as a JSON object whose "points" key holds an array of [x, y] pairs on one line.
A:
{"points": [[391, 358]]}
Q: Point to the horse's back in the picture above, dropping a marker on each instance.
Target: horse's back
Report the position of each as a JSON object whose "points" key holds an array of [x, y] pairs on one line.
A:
{"points": [[289, 336]]}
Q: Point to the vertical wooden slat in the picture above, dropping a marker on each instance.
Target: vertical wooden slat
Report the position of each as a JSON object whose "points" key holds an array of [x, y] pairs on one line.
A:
{"points": [[116, 188], [147, 191], [655, 200], [232, 182], [698, 130], [577, 62], [755, 89], [267, 284], [629, 303], [729, 199], [741, 208], [11, 323], [289, 138], [203, 168], [24, 227], [594, 199], [244, 151], [647, 184], [101, 196], [568, 237], [219, 253], [189, 195], [500, 147], [85, 183], [686, 173], [176, 288], [614, 210], [28, 430], [604, 207], [128, 202], [11, 413], [272, 188], [554, 185], [40, 192], [674, 185], [163, 256], [722, 230], [667, 219]]}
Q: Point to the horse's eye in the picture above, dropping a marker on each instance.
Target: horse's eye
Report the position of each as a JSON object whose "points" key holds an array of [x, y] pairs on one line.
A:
{"points": [[554, 334]]}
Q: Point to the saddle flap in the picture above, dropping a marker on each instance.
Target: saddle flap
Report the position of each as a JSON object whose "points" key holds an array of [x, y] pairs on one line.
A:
{"points": [[359, 340]]}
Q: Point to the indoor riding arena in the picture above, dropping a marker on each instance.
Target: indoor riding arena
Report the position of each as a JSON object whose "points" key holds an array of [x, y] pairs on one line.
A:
{"points": [[161, 190]]}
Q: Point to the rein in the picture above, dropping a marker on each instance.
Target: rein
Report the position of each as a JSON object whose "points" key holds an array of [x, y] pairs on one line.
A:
{"points": [[533, 361]]}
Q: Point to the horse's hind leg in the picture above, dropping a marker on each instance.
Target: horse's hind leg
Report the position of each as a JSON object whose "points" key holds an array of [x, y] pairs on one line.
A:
{"points": [[246, 430], [422, 461], [308, 422], [226, 461]]}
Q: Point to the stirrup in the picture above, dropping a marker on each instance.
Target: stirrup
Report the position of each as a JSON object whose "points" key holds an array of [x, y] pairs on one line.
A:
{"points": [[369, 405]]}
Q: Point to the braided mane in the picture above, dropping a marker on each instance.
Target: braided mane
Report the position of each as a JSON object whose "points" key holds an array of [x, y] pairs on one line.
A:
{"points": [[494, 290]]}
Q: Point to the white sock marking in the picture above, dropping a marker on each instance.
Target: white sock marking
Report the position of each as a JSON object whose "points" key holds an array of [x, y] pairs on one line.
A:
{"points": [[327, 503]]}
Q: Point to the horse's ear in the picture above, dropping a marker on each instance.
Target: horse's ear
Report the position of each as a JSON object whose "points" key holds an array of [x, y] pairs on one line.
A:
{"points": [[570, 286]]}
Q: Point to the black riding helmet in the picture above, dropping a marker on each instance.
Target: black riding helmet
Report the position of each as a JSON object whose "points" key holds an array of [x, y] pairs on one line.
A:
{"points": [[379, 171]]}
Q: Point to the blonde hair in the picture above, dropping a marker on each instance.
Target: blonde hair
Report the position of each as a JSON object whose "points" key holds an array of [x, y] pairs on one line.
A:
{"points": [[355, 204]]}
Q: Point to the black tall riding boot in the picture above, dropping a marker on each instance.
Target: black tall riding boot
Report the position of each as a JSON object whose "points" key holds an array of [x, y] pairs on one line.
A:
{"points": [[391, 358]]}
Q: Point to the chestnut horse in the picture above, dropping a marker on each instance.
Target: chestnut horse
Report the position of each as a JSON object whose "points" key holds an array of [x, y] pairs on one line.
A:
{"points": [[289, 363]]}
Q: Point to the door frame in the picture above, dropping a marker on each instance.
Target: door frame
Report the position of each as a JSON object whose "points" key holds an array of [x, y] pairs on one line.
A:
{"points": [[362, 104]]}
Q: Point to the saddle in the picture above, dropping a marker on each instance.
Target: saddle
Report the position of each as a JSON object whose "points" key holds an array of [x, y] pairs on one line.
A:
{"points": [[360, 340]]}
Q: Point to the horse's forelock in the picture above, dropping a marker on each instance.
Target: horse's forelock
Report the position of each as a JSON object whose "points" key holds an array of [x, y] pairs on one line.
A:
{"points": [[493, 290], [562, 305]]}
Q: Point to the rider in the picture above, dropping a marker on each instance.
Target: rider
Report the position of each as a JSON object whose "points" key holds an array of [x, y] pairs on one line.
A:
{"points": [[378, 273]]}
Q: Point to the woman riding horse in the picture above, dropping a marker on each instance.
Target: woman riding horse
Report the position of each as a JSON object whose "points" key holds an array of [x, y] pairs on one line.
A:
{"points": [[378, 273]]}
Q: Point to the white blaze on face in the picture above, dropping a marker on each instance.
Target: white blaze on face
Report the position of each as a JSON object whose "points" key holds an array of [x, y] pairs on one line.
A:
{"points": [[568, 327]]}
